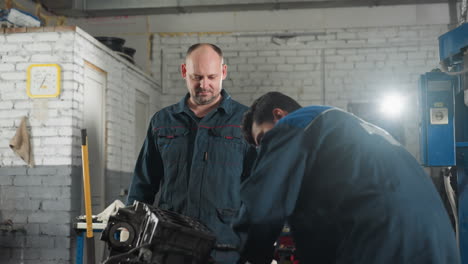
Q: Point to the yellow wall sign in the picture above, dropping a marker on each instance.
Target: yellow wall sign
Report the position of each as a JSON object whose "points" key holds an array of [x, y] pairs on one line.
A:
{"points": [[43, 80]]}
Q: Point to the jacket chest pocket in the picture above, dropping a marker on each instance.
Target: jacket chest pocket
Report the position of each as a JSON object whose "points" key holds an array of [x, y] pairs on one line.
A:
{"points": [[226, 135], [173, 145], [172, 142], [227, 148]]}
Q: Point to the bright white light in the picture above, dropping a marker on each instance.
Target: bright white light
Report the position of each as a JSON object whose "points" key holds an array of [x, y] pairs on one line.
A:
{"points": [[392, 105]]}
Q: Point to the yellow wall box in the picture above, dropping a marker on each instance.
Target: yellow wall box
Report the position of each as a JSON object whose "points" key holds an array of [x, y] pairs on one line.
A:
{"points": [[43, 80]]}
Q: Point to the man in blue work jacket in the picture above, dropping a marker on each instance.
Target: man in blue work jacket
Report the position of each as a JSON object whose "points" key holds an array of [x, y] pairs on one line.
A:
{"points": [[349, 191], [194, 152]]}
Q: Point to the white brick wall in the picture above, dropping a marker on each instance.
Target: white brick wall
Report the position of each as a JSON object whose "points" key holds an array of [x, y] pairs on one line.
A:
{"points": [[15, 102], [45, 199], [361, 65], [53, 127], [122, 83]]}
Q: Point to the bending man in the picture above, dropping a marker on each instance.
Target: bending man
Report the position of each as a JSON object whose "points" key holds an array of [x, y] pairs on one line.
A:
{"points": [[349, 191]]}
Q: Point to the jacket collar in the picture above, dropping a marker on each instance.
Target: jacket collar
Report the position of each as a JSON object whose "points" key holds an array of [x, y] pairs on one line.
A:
{"points": [[225, 105]]}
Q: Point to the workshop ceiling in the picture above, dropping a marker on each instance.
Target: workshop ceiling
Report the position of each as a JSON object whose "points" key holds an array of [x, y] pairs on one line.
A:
{"points": [[94, 8]]}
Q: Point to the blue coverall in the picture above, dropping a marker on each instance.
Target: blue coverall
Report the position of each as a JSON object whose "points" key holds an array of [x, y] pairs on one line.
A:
{"points": [[197, 165], [349, 191]]}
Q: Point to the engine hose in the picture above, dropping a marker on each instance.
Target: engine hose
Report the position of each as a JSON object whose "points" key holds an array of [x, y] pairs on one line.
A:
{"points": [[451, 197]]}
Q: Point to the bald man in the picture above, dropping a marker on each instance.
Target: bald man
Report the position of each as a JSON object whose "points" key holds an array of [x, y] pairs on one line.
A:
{"points": [[194, 152]]}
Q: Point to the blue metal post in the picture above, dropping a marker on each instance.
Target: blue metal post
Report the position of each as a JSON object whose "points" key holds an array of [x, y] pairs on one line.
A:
{"points": [[79, 248], [452, 46], [437, 119], [462, 170], [462, 179]]}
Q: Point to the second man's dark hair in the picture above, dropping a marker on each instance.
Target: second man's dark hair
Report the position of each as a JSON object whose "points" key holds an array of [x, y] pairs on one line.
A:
{"points": [[261, 111]]}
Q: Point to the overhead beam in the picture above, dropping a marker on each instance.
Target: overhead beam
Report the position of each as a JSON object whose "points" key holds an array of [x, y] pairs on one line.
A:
{"points": [[95, 8]]}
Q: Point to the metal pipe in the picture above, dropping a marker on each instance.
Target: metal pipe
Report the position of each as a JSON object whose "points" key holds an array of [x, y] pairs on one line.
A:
{"points": [[463, 12], [322, 70], [453, 14]]}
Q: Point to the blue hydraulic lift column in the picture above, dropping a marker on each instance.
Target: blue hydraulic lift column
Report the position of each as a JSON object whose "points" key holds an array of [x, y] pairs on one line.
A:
{"points": [[452, 48]]}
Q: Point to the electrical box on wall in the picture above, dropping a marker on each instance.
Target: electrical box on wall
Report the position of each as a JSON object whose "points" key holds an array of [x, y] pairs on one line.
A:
{"points": [[437, 134]]}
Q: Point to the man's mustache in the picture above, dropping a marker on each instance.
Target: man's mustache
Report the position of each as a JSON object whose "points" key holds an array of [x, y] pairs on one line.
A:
{"points": [[201, 90]]}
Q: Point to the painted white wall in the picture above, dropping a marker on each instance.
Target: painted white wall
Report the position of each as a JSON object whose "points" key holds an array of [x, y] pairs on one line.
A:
{"points": [[45, 199], [367, 50], [123, 82], [335, 67], [138, 30], [50, 119], [55, 122]]}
